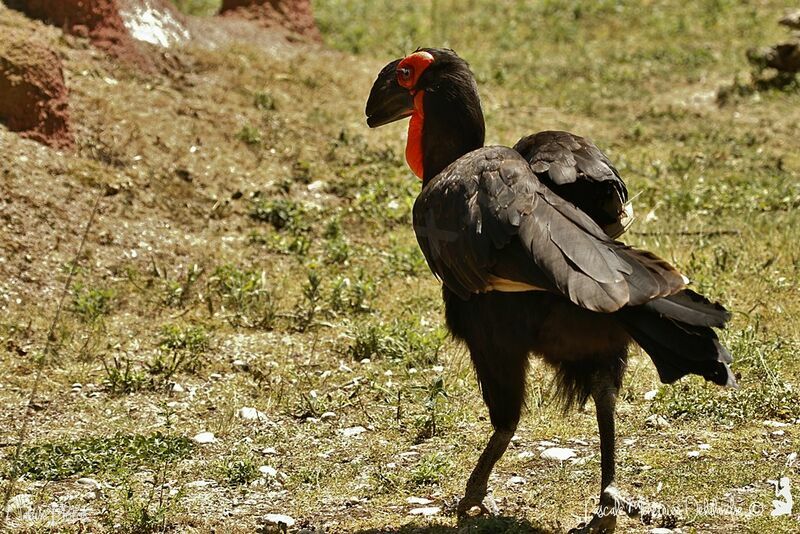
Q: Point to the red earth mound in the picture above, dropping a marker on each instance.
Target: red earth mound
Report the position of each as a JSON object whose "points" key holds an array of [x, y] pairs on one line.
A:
{"points": [[294, 15], [34, 102], [99, 20]]}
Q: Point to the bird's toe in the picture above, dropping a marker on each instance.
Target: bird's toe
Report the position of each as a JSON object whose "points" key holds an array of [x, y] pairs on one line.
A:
{"points": [[477, 505]]}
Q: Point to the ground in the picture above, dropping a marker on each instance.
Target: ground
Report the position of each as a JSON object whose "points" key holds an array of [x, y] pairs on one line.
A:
{"points": [[251, 248]]}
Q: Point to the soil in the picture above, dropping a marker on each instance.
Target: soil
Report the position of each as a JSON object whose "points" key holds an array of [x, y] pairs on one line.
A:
{"points": [[296, 16], [98, 20], [35, 98]]}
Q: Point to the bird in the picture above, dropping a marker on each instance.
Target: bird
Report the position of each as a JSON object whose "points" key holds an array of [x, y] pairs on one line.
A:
{"points": [[523, 240]]}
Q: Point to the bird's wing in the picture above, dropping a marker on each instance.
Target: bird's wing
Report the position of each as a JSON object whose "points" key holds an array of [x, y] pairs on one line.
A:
{"points": [[575, 169], [487, 219]]}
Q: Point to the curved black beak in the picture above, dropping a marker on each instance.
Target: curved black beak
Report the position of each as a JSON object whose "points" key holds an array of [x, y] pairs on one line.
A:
{"points": [[388, 100]]}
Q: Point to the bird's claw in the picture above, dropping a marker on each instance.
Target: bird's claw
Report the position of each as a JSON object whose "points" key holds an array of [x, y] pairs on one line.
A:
{"points": [[604, 521], [477, 505]]}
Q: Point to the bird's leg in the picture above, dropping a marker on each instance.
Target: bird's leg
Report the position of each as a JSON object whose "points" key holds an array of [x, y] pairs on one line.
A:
{"points": [[604, 521], [476, 499]]}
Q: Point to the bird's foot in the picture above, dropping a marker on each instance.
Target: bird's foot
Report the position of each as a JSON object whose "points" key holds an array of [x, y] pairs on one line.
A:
{"points": [[604, 521], [477, 504]]}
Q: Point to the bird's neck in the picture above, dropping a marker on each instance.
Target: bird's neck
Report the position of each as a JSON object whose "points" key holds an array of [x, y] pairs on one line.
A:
{"points": [[444, 127]]}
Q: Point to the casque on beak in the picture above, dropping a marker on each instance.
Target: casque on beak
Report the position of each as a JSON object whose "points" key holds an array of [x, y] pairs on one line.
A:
{"points": [[388, 100]]}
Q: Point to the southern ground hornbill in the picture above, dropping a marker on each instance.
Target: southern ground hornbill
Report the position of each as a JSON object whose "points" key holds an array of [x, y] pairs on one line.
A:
{"points": [[523, 241]]}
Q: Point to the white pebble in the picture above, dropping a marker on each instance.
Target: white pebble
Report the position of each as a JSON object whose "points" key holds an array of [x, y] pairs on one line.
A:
{"points": [[426, 512], [524, 455], [248, 413], [204, 438], [418, 500], [198, 484], [693, 454], [775, 424], [558, 453], [328, 415], [657, 421], [352, 431], [268, 471], [650, 395], [516, 481], [177, 388], [278, 520]]}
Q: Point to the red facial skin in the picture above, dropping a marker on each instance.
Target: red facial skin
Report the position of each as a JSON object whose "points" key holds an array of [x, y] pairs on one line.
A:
{"points": [[408, 73]]}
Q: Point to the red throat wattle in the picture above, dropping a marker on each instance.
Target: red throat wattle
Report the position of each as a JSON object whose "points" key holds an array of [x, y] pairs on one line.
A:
{"points": [[409, 71], [414, 143]]}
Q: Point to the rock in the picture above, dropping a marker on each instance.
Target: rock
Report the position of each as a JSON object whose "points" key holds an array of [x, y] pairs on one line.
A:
{"points": [[295, 16], [657, 421], [525, 455], [425, 512], [176, 388], [279, 520], [775, 424], [35, 97], [204, 438], [269, 450], [88, 482], [316, 185], [558, 453], [327, 415], [693, 454], [418, 500], [268, 471], [352, 431], [791, 20], [704, 447], [660, 530], [248, 413], [516, 481], [650, 395], [215, 376], [241, 365]]}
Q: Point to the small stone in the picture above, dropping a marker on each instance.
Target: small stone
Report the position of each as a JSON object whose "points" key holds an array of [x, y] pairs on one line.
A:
{"points": [[775, 424], [650, 395], [177, 388], [352, 431], [269, 450], [660, 530], [418, 500], [425, 512], [558, 453], [704, 447], [268, 471], [657, 421], [279, 520], [547, 444], [328, 415], [693, 454], [88, 482], [248, 413], [77, 385], [90, 496], [241, 365], [524, 455], [777, 433], [215, 376], [516, 481], [204, 438]]}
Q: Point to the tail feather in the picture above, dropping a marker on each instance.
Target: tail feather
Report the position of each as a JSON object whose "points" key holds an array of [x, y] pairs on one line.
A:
{"points": [[676, 333]]}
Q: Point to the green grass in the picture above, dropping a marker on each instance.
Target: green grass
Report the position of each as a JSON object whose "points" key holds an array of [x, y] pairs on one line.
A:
{"points": [[255, 247], [107, 456]]}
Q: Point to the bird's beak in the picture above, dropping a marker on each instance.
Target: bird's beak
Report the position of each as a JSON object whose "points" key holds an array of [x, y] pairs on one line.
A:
{"points": [[388, 100]]}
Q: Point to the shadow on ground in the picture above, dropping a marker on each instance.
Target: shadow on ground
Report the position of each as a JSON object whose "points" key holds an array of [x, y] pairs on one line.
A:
{"points": [[487, 525]]}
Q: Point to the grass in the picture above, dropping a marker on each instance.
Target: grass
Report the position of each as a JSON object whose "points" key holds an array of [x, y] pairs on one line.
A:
{"points": [[255, 248]]}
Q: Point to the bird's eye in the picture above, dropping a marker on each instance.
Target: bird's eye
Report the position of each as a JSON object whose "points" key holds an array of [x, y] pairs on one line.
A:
{"points": [[404, 74]]}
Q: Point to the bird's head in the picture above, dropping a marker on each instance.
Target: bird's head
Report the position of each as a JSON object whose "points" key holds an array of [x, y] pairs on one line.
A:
{"points": [[436, 88]]}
